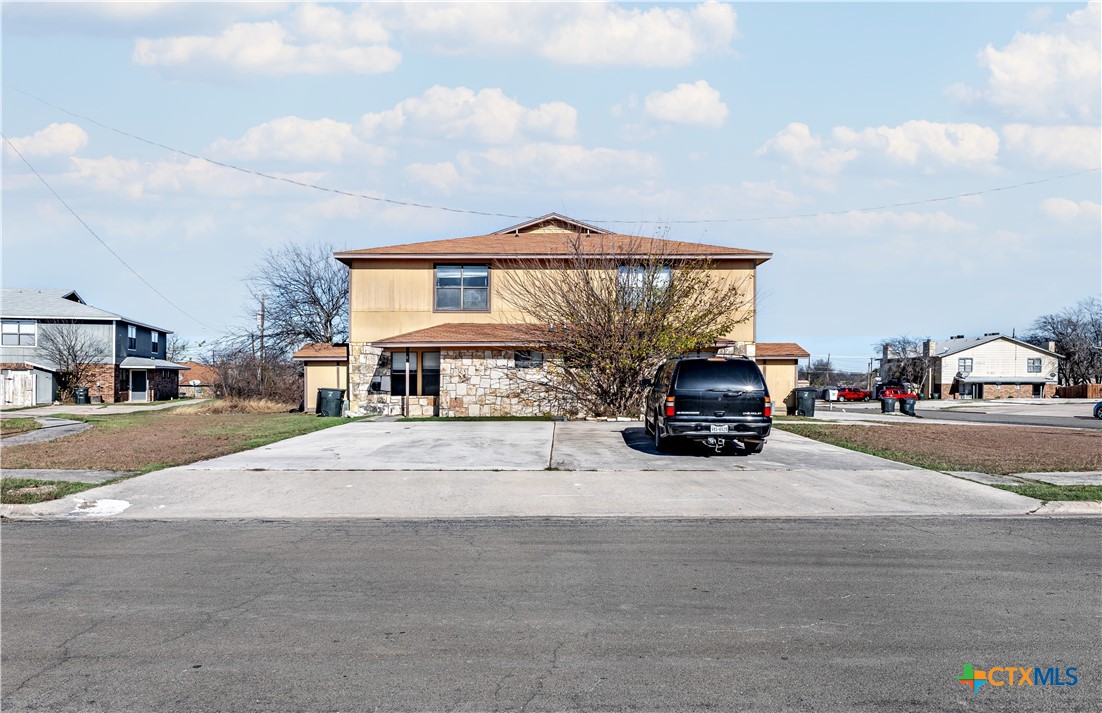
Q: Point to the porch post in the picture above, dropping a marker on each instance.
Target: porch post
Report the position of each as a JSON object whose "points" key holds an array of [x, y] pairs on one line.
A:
{"points": [[406, 408]]}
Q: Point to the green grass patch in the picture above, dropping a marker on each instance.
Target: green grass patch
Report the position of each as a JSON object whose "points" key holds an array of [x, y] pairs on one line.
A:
{"points": [[477, 418], [12, 426], [26, 491], [1046, 492]]}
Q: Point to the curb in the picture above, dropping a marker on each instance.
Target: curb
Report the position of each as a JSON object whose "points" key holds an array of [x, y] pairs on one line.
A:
{"points": [[1070, 507]]}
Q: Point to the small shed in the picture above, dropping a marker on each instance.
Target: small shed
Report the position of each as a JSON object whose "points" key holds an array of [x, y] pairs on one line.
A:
{"points": [[325, 366]]}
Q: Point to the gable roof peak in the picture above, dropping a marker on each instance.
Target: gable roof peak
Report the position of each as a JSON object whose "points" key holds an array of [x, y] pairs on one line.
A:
{"points": [[552, 223]]}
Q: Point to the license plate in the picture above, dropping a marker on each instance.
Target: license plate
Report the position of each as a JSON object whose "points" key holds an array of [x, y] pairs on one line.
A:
{"points": [[719, 429]]}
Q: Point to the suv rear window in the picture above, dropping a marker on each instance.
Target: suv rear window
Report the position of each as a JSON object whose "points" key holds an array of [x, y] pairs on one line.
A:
{"points": [[701, 375]]}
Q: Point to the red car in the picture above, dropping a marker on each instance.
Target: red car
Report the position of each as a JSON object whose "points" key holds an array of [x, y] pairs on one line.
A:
{"points": [[849, 393], [893, 392]]}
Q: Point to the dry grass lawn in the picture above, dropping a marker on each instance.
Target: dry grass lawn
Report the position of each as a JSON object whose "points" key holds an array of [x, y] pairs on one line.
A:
{"points": [[149, 440], [14, 426], [999, 450]]}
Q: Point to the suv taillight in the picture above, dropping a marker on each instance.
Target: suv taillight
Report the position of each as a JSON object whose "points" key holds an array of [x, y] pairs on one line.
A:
{"points": [[669, 405], [768, 408]]}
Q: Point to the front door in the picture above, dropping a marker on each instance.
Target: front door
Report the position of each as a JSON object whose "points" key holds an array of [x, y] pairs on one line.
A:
{"points": [[138, 386]]}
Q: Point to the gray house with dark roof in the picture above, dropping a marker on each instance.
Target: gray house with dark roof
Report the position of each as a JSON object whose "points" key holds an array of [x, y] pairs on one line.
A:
{"points": [[130, 355]]}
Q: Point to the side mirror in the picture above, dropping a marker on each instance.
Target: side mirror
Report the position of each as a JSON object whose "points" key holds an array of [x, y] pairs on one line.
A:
{"points": [[645, 383]]}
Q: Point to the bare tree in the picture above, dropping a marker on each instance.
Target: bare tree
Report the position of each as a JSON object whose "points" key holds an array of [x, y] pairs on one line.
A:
{"points": [[241, 373], [906, 359], [822, 372], [610, 312], [1077, 332], [299, 294], [75, 349]]}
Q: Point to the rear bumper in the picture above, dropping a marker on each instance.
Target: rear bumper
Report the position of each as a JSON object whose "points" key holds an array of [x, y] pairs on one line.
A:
{"points": [[756, 430]]}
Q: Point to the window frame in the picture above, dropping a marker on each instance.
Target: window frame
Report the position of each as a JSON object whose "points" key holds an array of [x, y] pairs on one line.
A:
{"points": [[462, 288], [131, 338], [154, 342], [632, 277], [530, 361], [960, 365], [19, 332], [1032, 362]]}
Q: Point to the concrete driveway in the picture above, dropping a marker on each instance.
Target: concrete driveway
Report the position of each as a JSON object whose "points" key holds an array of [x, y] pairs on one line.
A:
{"points": [[531, 469]]}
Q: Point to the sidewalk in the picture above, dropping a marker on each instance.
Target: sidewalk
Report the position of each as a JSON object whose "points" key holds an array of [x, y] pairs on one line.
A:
{"points": [[93, 409]]}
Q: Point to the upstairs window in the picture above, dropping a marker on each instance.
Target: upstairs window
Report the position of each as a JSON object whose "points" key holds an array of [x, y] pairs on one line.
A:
{"points": [[155, 338], [20, 333], [462, 288], [131, 337], [1033, 366], [964, 366], [636, 281]]}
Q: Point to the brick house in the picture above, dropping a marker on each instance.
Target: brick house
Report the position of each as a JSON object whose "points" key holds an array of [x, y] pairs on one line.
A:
{"points": [[130, 366], [431, 333]]}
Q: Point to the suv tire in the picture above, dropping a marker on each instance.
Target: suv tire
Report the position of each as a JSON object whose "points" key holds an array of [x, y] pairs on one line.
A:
{"points": [[661, 443]]}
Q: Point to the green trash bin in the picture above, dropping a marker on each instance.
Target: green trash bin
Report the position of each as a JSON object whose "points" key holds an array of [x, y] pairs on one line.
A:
{"points": [[887, 404], [907, 405], [330, 402], [805, 401], [80, 396]]}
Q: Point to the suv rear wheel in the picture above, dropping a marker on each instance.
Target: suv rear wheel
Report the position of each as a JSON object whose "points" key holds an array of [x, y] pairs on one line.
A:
{"points": [[661, 443]]}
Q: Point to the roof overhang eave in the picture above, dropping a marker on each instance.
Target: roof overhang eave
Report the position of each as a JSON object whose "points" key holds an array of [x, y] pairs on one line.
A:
{"points": [[349, 257]]}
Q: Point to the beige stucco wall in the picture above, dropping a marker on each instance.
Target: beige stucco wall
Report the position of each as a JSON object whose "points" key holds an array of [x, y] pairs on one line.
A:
{"points": [[391, 297], [322, 375], [780, 378]]}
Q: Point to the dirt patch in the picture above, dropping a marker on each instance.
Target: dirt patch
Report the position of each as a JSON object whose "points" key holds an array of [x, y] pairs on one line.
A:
{"points": [[145, 441], [999, 450]]}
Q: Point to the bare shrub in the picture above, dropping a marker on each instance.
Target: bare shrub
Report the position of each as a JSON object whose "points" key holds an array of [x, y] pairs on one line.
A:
{"points": [[236, 405]]}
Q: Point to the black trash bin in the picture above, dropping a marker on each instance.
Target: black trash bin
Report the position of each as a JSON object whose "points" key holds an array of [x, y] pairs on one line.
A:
{"points": [[907, 405], [805, 401], [330, 402], [80, 395], [887, 404]]}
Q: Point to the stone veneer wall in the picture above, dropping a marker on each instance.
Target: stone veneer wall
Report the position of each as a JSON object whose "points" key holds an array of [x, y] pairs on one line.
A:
{"points": [[484, 382], [363, 369]]}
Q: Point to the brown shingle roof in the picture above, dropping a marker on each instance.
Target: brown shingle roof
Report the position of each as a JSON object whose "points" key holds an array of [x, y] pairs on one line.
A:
{"points": [[467, 334], [530, 245], [780, 349], [321, 352], [205, 374]]}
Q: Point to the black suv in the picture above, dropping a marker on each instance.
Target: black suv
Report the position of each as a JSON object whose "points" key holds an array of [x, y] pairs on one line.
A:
{"points": [[718, 401]]}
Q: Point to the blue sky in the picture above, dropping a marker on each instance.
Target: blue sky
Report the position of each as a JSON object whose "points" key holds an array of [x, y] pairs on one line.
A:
{"points": [[651, 114]]}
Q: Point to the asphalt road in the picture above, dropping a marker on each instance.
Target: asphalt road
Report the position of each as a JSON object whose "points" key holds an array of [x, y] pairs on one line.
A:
{"points": [[542, 615], [1012, 419]]}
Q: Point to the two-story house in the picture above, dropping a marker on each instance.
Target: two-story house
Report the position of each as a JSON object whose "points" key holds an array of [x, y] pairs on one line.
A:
{"points": [[993, 366], [129, 355], [430, 328]]}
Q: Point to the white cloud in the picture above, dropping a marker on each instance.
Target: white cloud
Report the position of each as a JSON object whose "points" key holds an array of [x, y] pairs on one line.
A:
{"points": [[546, 164], [867, 222], [295, 139], [1055, 146], [136, 179], [487, 116], [315, 40], [574, 33], [695, 104], [442, 177], [797, 145], [54, 140], [1065, 210], [948, 144], [1047, 75]]}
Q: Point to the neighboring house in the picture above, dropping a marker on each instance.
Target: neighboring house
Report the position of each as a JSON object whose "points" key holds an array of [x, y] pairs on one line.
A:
{"points": [[200, 381], [429, 326], [993, 366], [325, 366], [131, 365], [779, 362]]}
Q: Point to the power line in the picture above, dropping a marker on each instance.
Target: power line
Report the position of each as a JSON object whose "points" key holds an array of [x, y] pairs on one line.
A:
{"points": [[101, 241], [428, 206]]}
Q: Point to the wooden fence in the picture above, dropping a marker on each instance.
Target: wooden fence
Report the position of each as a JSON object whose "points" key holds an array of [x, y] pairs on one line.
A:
{"points": [[1080, 391]]}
